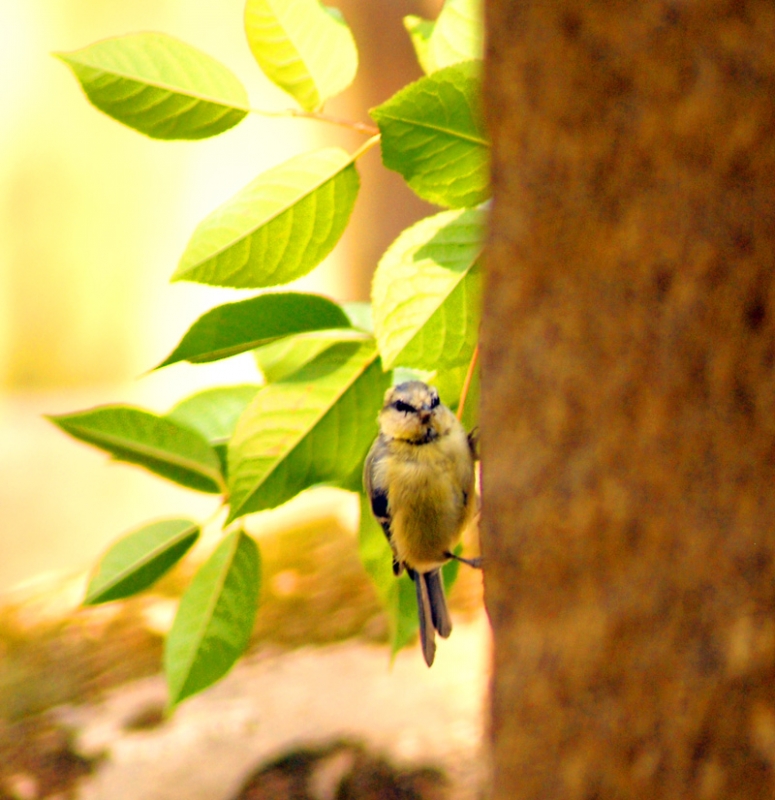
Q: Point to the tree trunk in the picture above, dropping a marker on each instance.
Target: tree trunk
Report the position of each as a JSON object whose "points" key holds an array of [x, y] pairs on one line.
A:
{"points": [[628, 421]]}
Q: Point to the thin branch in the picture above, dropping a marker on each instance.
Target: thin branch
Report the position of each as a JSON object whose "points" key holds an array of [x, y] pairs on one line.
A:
{"points": [[360, 127], [467, 383]]}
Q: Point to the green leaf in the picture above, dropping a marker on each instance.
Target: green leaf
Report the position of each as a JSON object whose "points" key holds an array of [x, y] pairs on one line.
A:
{"points": [[140, 437], [433, 134], [359, 314], [457, 35], [214, 412], [313, 427], [426, 292], [449, 382], [280, 359], [159, 86], [140, 558], [397, 594], [236, 327], [215, 618], [302, 46], [279, 227], [420, 31]]}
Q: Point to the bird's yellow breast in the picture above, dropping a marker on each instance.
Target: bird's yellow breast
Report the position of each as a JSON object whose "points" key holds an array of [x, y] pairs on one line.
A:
{"points": [[430, 490]]}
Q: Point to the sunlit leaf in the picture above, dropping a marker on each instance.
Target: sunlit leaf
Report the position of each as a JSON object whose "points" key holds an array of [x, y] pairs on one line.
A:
{"points": [[313, 427], [159, 86], [420, 31], [458, 34], [278, 228], [426, 292], [140, 437], [140, 558], [236, 327], [304, 47], [433, 134], [215, 618], [455, 36]]}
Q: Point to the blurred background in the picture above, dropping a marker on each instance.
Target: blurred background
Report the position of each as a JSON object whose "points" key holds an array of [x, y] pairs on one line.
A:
{"points": [[94, 218]]}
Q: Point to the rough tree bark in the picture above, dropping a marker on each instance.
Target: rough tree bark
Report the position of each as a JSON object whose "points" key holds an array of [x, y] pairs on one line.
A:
{"points": [[628, 421]]}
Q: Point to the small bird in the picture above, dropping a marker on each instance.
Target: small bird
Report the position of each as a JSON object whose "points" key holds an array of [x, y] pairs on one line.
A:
{"points": [[419, 476]]}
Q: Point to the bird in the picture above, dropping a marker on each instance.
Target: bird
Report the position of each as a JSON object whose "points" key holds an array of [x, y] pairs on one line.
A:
{"points": [[419, 478]]}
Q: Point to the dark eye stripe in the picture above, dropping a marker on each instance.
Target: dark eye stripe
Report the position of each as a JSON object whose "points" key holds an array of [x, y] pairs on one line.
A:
{"points": [[434, 401], [400, 405]]}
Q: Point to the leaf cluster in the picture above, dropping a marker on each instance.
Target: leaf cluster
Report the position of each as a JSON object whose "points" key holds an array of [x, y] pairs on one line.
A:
{"points": [[325, 365]]}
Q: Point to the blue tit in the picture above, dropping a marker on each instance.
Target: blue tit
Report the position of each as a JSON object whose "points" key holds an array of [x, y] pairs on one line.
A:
{"points": [[419, 476]]}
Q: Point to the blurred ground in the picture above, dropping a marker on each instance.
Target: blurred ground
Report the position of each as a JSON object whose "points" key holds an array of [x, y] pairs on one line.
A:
{"points": [[81, 701]]}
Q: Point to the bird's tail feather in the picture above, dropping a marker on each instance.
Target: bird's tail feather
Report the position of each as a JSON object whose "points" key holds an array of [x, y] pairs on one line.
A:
{"points": [[424, 610], [438, 602]]}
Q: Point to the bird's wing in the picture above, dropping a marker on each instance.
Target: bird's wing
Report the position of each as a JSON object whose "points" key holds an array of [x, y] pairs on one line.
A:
{"points": [[378, 496], [473, 442]]}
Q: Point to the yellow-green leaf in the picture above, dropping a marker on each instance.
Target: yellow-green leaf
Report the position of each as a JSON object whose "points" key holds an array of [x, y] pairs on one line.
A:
{"points": [[215, 618], [426, 292], [304, 47], [159, 86], [314, 426], [279, 227]]}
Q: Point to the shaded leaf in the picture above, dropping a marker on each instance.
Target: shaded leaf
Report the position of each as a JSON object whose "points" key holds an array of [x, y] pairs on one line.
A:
{"points": [[236, 327], [279, 227], [426, 292], [359, 314], [140, 558], [215, 618], [449, 382], [140, 437], [397, 594], [302, 46], [433, 134], [159, 86], [214, 412], [313, 427], [280, 359]]}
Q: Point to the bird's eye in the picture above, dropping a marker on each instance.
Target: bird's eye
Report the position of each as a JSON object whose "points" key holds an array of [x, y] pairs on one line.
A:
{"points": [[434, 401], [400, 405]]}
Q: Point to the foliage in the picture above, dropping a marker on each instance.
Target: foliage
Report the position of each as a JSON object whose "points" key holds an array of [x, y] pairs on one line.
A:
{"points": [[325, 365]]}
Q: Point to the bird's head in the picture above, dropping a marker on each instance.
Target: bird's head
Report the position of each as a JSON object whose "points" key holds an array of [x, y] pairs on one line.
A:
{"points": [[412, 412]]}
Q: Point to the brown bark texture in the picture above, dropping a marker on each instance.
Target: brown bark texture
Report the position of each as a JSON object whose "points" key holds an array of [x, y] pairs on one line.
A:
{"points": [[628, 419]]}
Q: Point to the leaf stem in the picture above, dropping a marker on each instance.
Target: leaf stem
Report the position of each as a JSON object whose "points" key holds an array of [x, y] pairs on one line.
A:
{"points": [[360, 127], [212, 517], [366, 146], [467, 383]]}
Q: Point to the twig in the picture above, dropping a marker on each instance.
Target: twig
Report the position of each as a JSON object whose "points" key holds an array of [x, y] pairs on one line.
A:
{"points": [[467, 383], [360, 127]]}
